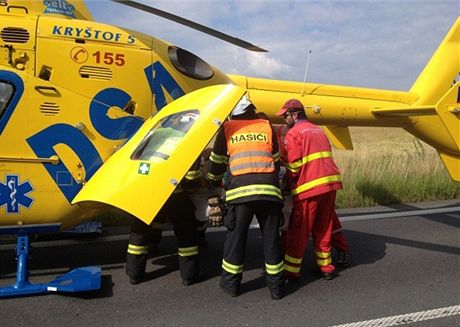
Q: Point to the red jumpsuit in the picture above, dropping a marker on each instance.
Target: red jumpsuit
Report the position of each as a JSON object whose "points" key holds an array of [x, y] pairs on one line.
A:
{"points": [[338, 240], [314, 179]]}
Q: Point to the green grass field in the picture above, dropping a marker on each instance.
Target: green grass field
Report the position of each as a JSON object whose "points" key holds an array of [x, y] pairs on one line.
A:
{"points": [[390, 166]]}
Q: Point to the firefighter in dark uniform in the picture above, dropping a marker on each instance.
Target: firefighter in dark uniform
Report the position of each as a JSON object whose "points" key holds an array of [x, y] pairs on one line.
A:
{"points": [[180, 211], [248, 146]]}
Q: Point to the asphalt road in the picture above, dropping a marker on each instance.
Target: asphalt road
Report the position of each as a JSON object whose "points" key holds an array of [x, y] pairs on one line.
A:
{"points": [[406, 262]]}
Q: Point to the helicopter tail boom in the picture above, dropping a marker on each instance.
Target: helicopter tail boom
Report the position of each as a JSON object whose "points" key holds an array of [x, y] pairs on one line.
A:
{"points": [[430, 110]]}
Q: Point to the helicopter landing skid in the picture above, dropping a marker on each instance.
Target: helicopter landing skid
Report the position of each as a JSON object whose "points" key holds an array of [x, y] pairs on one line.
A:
{"points": [[76, 280]]}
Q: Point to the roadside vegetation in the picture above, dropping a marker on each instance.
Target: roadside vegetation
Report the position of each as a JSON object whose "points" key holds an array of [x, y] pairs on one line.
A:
{"points": [[387, 166], [390, 166]]}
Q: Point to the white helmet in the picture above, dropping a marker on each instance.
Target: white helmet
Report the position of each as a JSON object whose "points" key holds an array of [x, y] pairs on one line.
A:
{"points": [[188, 118], [241, 106]]}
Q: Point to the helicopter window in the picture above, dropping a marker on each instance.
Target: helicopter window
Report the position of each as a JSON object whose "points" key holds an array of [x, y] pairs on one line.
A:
{"points": [[189, 64], [164, 137], [6, 92]]}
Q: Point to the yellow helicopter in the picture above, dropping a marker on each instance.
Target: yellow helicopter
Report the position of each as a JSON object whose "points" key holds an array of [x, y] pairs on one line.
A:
{"points": [[80, 100]]}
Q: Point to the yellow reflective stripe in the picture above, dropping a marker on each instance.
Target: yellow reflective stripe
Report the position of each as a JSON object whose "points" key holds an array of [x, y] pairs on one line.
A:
{"points": [[276, 157], [193, 174], [291, 268], [315, 182], [232, 269], [213, 177], [187, 252], [294, 166], [137, 250], [218, 159], [323, 258], [292, 259], [274, 269], [324, 262], [323, 255], [256, 189]]}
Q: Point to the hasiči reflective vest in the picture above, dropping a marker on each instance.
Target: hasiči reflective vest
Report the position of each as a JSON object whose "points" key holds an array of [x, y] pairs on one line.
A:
{"points": [[249, 146], [309, 163]]}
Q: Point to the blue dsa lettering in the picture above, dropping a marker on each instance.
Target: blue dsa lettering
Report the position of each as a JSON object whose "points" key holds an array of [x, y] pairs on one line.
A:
{"points": [[162, 79], [114, 129], [43, 142]]}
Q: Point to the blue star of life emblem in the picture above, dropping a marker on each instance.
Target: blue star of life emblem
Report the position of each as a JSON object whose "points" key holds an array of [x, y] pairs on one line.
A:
{"points": [[14, 194]]}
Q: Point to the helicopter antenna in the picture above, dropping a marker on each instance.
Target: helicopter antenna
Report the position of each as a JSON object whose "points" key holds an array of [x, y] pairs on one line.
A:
{"points": [[207, 30], [306, 71]]}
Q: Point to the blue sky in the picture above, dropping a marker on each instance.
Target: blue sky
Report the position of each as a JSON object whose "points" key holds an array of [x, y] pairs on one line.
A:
{"points": [[366, 43]]}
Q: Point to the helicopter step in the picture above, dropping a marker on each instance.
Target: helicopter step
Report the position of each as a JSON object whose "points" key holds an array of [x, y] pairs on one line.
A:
{"points": [[76, 280]]}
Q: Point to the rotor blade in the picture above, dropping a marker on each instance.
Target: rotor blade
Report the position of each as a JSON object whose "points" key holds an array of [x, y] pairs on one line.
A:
{"points": [[189, 23]]}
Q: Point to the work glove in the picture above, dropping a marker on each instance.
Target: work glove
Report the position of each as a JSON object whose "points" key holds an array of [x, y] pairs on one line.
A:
{"points": [[214, 211]]}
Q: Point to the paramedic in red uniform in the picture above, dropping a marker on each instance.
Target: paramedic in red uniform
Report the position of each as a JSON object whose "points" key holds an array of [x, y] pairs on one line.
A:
{"points": [[338, 239], [314, 179]]}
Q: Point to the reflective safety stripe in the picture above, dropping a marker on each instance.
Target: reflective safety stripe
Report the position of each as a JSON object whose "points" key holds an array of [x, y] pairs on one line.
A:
{"points": [[274, 269], [315, 182], [336, 230], [291, 268], [187, 252], [252, 166], [232, 269], [246, 154], [218, 159], [295, 166], [256, 189], [193, 174], [323, 258], [292, 259], [138, 250], [276, 157], [323, 255], [254, 161], [324, 262], [213, 177]]}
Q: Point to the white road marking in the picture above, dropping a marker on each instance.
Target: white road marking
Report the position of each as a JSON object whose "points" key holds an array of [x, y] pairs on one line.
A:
{"points": [[407, 318]]}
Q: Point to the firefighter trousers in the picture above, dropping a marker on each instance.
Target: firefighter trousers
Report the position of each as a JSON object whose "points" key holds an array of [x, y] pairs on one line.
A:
{"points": [[313, 215], [237, 221], [180, 211]]}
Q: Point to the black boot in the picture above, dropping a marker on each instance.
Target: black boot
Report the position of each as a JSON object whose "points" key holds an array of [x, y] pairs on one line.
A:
{"points": [[343, 259]]}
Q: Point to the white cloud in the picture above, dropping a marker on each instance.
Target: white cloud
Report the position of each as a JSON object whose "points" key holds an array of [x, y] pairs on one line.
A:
{"points": [[379, 44]]}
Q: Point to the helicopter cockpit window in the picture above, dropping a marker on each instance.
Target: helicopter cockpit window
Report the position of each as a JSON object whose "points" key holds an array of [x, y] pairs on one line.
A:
{"points": [[189, 64], [164, 137], [6, 92]]}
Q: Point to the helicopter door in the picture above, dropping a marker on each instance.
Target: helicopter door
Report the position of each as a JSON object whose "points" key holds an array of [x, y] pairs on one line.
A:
{"points": [[141, 176]]}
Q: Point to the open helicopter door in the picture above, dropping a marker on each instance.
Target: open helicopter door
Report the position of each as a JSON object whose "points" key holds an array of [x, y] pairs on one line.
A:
{"points": [[141, 176]]}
